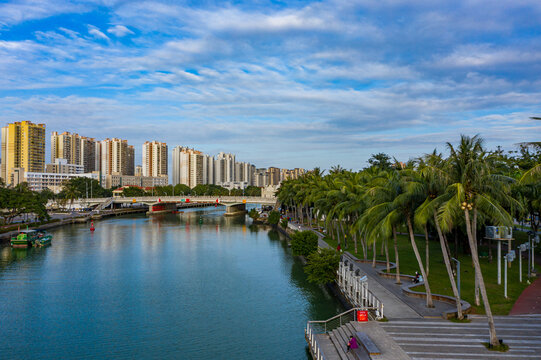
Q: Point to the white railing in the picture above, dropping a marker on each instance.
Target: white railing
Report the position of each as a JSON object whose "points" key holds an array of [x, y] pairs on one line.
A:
{"points": [[354, 286], [315, 327]]}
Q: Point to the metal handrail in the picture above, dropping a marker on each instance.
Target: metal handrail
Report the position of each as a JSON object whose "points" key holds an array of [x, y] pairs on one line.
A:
{"points": [[311, 331]]}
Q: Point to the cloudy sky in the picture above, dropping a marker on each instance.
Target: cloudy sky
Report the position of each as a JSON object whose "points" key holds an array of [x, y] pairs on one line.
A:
{"points": [[288, 84]]}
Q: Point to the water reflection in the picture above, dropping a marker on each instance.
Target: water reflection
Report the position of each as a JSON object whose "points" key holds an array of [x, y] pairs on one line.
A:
{"points": [[163, 285]]}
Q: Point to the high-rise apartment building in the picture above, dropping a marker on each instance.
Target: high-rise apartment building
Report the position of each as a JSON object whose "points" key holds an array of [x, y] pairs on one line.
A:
{"points": [[274, 176], [154, 159], [75, 149], [227, 166], [130, 166], [188, 166], [117, 157], [208, 169], [23, 146], [260, 177]]}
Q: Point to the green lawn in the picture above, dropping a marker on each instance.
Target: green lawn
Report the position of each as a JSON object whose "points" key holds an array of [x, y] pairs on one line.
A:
{"points": [[439, 280]]}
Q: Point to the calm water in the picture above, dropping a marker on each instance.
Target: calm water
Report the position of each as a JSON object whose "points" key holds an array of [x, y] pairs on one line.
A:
{"points": [[158, 288]]}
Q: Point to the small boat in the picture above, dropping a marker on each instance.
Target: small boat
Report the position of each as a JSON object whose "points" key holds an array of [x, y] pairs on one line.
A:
{"points": [[29, 238], [24, 239], [43, 238]]}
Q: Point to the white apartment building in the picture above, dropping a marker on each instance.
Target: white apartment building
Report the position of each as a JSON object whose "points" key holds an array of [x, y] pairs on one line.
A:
{"points": [[61, 166], [190, 167], [117, 157], [154, 159], [53, 181]]}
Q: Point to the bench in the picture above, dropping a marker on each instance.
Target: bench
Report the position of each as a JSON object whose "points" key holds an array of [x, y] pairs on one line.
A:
{"points": [[367, 343]]}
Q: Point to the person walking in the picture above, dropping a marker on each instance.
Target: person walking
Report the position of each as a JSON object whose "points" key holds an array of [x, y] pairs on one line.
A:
{"points": [[352, 343]]}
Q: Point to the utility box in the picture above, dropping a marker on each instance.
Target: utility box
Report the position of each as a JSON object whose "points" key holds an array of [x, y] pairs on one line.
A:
{"points": [[498, 232]]}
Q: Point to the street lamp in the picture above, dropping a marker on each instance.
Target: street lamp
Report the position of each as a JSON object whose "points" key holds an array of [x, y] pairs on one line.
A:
{"points": [[530, 252], [457, 275]]}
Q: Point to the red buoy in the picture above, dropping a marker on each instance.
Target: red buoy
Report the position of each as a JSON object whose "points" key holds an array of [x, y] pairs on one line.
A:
{"points": [[92, 225]]}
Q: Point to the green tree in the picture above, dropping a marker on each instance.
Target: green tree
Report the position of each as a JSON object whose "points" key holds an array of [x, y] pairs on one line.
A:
{"points": [[274, 217], [381, 161], [254, 214], [322, 266], [134, 191], [475, 191], [252, 191], [303, 243]]}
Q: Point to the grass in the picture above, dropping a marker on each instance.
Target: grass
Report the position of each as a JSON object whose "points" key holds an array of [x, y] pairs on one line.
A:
{"points": [[501, 348], [439, 279]]}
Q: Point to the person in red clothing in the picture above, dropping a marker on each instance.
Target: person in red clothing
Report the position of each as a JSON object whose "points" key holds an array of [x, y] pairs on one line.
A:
{"points": [[338, 248], [352, 343]]}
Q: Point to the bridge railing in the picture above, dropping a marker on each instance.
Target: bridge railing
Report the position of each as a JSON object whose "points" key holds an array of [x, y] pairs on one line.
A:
{"points": [[240, 199]]}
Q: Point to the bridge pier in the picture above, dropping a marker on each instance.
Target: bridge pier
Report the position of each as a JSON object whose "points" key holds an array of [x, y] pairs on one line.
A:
{"points": [[235, 209], [161, 207]]}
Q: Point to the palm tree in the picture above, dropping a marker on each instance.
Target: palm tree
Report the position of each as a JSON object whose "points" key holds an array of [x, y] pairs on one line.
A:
{"points": [[381, 218], [71, 193], [432, 169], [474, 189], [407, 201]]}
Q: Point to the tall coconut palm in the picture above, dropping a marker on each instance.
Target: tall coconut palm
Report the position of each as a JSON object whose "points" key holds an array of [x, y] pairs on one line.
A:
{"points": [[475, 189], [381, 218], [432, 169]]}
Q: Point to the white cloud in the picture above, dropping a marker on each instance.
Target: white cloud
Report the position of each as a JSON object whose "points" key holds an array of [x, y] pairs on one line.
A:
{"points": [[120, 31], [94, 31]]}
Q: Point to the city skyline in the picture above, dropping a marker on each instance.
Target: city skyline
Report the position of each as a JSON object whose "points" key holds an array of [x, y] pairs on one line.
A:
{"points": [[112, 161], [299, 85]]}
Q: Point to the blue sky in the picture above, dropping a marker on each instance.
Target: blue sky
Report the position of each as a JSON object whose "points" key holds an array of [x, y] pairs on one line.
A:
{"points": [[287, 84]]}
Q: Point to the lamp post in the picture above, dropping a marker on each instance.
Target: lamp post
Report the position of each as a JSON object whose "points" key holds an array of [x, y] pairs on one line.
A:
{"points": [[521, 248], [457, 275], [530, 253]]}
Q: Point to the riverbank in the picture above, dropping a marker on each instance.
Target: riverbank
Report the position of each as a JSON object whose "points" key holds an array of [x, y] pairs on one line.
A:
{"points": [[6, 236]]}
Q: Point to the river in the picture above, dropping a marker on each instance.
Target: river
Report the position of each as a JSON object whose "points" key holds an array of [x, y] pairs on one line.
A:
{"points": [[194, 285]]}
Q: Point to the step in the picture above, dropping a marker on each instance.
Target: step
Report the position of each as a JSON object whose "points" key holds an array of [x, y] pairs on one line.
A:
{"points": [[337, 344], [344, 331]]}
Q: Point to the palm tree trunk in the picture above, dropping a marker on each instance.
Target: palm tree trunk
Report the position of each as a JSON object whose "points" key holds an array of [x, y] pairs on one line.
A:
{"points": [[355, 241], [474, 235], [382, 249], [343, 233], [338, 234], [448, 267], [492, 329], [374, 255], [387, 255], [427, 251], [429, 302], [365, 248], [448, 250], [396, 259]]}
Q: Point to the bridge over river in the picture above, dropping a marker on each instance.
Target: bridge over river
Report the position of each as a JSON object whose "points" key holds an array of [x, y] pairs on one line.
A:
{"points": [[234, 204]]}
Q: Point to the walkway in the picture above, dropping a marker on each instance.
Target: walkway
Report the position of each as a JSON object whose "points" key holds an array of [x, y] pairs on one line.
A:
{"points": [[393, 293], [440, 339], [529, 302]]}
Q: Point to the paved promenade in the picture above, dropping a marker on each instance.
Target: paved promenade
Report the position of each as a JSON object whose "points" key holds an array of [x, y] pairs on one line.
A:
{"points": [[529, 302]]}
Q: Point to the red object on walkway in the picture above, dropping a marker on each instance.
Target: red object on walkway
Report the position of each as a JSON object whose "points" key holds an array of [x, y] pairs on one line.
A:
{"points": [[362, 315], [92, 225], [529, 302]]}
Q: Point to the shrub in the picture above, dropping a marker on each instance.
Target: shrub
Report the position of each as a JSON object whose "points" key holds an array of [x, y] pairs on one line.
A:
{"points": [[322, 266], [303, 243], [253, 214], [274, 217], [284, 223]]}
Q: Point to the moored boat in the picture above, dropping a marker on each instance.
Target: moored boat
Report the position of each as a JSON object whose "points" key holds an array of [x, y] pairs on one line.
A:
{"points": [[43, 238], [24, 239], [29, 238]]}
